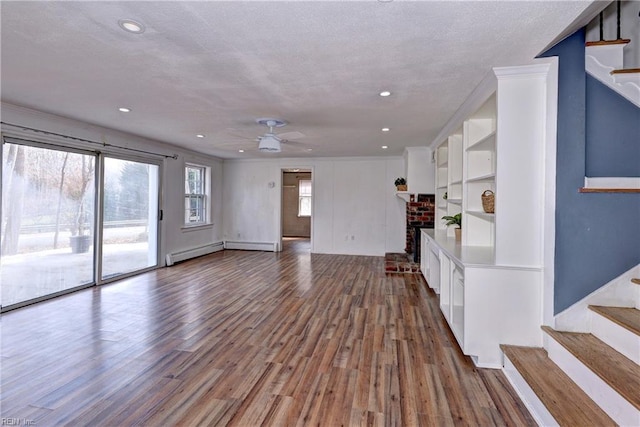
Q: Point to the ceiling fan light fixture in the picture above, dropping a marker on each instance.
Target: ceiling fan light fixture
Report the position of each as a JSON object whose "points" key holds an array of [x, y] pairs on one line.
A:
{"points": [[269, 143]]}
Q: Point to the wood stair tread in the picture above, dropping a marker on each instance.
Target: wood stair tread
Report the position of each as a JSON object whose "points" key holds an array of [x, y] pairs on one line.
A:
{"points": [[567, 403], [607, 42], [626, 71], [635, 280], [619, 372], [609, 190], [627, 317]]}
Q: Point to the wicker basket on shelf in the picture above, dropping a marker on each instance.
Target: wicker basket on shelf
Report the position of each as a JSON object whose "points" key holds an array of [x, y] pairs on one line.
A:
{"points": [[488, 201]]}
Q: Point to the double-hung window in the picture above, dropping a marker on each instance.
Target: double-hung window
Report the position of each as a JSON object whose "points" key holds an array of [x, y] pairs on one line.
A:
{"points": [[195, 195], [304, 197]]}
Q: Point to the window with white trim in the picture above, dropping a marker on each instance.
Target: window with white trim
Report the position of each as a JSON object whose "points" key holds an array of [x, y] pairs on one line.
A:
{"points": [[304, 197], [195, 195]]}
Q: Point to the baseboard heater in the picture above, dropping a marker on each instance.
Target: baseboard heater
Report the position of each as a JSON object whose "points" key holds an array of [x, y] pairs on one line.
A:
{"points": [[251, 246], [193, 252]]}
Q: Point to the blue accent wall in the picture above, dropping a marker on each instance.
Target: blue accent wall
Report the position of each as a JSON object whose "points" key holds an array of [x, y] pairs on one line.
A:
{"points": [[597, 234], [613, 132]]}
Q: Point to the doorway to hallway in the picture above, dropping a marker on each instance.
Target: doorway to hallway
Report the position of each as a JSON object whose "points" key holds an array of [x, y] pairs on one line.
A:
{"points": [[296, 205]]}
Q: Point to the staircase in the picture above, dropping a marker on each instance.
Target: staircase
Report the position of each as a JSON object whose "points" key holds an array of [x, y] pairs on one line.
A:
{"points": [[588, 371], [614, 61], [580, 378], [605, 61]]}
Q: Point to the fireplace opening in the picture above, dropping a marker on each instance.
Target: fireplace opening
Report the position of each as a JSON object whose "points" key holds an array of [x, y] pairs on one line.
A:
{"points": [[420, 214]]}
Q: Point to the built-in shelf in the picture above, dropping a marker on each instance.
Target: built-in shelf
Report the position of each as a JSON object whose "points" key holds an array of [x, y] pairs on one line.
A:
{"points": [[487, 177], [487, 143], [467, 256], [492, 272], [481, 214]]}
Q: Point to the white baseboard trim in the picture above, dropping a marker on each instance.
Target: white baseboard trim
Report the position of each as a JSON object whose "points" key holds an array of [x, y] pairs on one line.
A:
{"points": [[251, 246]]}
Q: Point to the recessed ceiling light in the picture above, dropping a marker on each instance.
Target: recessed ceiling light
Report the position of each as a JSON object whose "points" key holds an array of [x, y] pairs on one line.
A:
{"points": [[131, 26], [384, 147], [385, 93], [309, 149], [200, 135], [385, 129], [240, 151], [124, 109]]}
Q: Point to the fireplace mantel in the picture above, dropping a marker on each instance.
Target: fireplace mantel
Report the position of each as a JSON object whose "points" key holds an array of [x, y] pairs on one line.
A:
{"points": [[406, 196]]}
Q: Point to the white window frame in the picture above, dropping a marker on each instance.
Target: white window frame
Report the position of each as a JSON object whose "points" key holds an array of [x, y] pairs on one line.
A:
{"points": [[304, 196], [196, 191]]}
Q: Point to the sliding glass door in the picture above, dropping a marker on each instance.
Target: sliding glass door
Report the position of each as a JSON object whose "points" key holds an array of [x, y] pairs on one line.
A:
{"points": [[130, 217], [47, 238], [48, 242]]}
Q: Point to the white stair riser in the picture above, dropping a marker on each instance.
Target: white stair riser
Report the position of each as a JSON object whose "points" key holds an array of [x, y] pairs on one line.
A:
{"points": [[617, 407], [610, 55], [623, 340], [535, 406], [627, 78]]}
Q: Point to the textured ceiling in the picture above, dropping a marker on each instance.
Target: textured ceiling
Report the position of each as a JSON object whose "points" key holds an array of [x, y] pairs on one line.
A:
{"points": [[212, 68]]}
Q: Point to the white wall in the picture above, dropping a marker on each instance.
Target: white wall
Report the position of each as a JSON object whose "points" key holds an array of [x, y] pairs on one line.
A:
{"points": [[173, 236], [420, 170], [355, 210]]}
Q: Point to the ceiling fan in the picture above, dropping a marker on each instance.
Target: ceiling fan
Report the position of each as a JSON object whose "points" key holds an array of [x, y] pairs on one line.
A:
{"points": [[270, 142]]}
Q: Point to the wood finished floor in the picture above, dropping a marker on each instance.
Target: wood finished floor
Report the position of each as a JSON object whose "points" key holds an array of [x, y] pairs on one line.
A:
{"points": [[246, 339]]}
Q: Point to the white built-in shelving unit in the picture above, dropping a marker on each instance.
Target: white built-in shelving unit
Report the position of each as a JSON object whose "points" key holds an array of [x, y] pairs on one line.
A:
{"points": [[490, 283]]}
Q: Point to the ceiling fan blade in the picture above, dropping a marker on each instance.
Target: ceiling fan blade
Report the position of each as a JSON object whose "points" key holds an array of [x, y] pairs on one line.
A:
{"points": [[294, 143], [238, 144], [291, 135]]}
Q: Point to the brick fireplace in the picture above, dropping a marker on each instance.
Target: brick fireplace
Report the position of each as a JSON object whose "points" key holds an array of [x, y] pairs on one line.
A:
{"points": [[420, 213]]}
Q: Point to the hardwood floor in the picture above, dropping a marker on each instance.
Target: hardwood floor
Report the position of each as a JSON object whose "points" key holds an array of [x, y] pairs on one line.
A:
{"points": [[247, 339]]}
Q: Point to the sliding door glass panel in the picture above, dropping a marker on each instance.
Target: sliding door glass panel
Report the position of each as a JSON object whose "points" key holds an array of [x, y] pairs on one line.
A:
{"points": [[48, 200], [130, 217]]}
